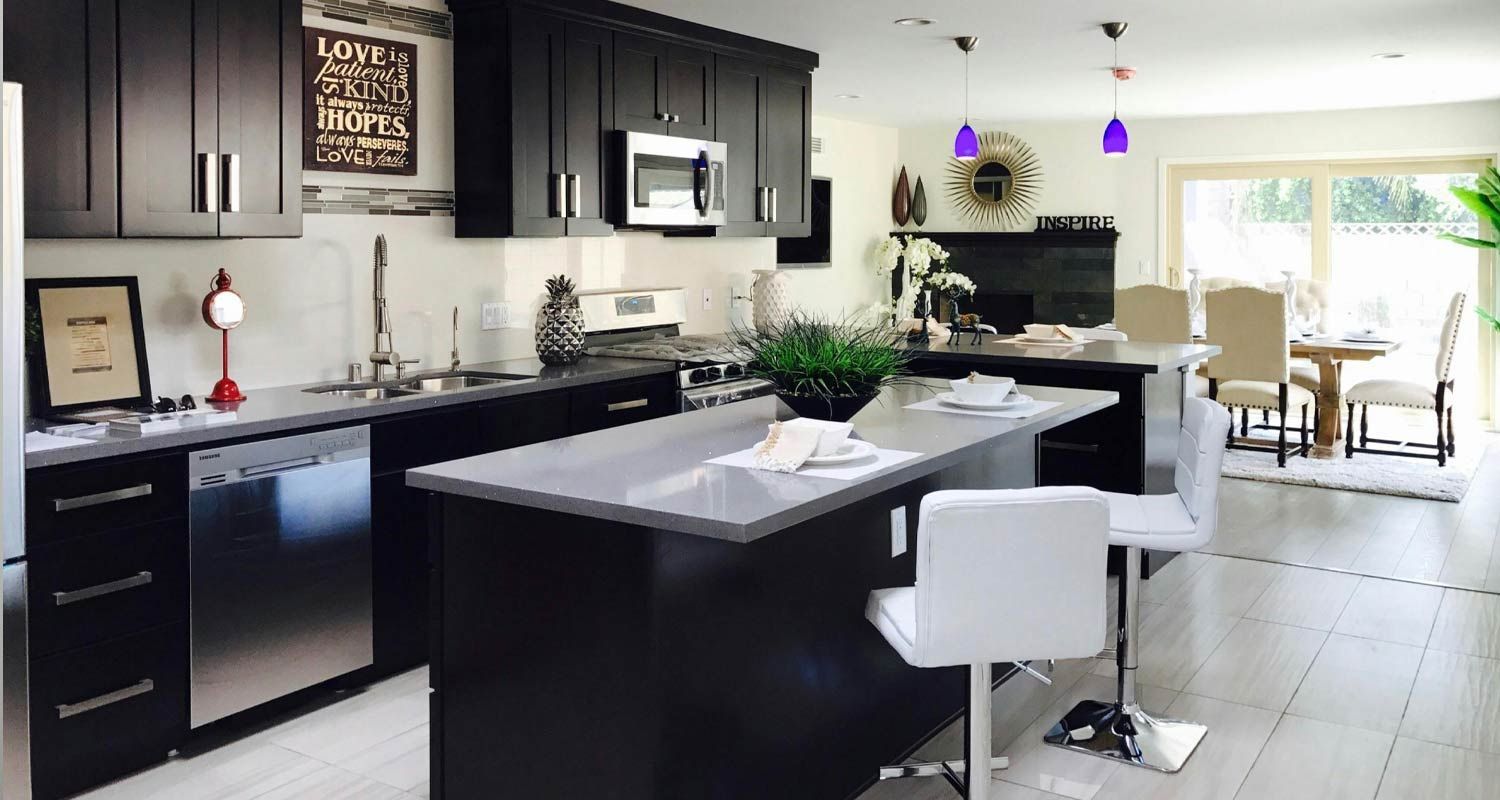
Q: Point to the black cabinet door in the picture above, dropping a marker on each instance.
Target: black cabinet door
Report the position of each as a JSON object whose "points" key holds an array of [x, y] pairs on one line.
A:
{"points": [[589, 111], [789, 150], [63, 54], [690, 92], [537, 123], [614, 404], [169, 127], [398, 533], [740, 123], [641, 66], [260, 118]]}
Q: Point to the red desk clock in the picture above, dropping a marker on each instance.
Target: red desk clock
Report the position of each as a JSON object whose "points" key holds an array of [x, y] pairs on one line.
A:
{"points": [[224, 310]]}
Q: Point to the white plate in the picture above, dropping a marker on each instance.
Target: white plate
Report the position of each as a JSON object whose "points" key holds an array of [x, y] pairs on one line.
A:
{"points": [[853, 450], [1372, 338], [1014, 400]]}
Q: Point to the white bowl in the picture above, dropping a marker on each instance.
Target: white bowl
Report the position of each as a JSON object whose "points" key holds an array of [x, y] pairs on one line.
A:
{"points": [[1041, 331], [983, 389], [831, 435]]}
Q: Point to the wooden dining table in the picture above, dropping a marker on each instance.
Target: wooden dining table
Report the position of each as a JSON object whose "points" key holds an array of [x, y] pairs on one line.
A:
{"points": [[1330, 354]]}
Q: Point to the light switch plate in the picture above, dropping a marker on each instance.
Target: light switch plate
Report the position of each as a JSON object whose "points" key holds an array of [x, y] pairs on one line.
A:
{"points": [[898, 531], [493, 316], [708, 299]]}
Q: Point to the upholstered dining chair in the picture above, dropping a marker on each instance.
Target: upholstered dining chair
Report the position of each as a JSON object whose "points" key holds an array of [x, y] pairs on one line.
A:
{"points": [[1254, 369], [1409, 394], [1312, 296], [1217, 283], [1152, 313]]}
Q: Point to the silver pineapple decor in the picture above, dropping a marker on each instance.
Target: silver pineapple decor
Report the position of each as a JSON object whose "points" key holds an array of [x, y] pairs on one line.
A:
{"points": [[559, 325]]}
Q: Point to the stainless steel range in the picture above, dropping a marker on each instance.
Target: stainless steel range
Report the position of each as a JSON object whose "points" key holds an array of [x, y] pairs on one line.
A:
{"points": [[645, 324]]}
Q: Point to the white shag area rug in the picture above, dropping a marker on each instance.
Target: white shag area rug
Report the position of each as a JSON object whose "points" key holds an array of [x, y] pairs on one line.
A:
{"points": [[1366, 472]]}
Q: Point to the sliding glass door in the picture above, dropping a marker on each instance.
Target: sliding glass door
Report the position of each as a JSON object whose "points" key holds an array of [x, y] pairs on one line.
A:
{"points": [[1367, 228]]}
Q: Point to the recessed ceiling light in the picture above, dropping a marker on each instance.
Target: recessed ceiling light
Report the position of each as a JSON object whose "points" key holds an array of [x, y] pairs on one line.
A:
{"points": [[1388, 56], [848, 97], [913, 22]]}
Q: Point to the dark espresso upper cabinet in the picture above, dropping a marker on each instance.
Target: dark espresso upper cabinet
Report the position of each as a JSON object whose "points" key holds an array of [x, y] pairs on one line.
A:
{"points": [[210, 118], [541, 88], [531, 140], [663, 88], [62, 52]]}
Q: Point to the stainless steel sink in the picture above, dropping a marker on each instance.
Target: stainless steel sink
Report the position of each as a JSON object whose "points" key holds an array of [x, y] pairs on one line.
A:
{"points": [[451, 381], [366, 392]]}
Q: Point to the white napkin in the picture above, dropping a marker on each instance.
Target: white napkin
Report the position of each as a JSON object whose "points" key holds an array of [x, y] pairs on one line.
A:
{"points": [[786, 447]]}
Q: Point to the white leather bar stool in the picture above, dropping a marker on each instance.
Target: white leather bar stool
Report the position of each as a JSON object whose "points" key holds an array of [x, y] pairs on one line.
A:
{"points": [[1174, 522], [989, 568]]}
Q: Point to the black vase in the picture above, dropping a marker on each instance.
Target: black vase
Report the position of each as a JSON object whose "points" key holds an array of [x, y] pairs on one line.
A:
{"points": [[919, 204], [833, 409]]}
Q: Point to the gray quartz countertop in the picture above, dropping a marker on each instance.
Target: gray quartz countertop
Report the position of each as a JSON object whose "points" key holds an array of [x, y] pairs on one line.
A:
{"points": [[653, 473], [1139, 357], [288, 408]]}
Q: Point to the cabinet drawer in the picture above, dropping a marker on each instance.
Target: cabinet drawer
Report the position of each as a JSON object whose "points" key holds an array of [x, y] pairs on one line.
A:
{"points": [[64, 503], [401, 444], [87, 590], [104, 711], [622, 403]]}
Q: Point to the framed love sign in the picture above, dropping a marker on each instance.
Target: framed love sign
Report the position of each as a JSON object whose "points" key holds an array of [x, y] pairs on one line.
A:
{"points": [[359, 104]]}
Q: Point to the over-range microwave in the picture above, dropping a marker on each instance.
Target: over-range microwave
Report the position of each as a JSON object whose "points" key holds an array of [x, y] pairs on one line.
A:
{"points": [[671, 182]]}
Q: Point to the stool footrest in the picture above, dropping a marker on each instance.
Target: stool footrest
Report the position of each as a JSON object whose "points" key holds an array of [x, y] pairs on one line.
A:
{"points": [[1132, 736], [930, 769]]}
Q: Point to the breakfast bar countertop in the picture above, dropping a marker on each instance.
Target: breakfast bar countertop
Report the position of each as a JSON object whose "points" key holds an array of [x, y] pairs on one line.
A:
{"points": [[653, 473], [1100, 356]]}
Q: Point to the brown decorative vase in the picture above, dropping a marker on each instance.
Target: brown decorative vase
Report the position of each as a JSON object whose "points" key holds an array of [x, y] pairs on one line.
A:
{"points": [[919, 204], [901, 202]]}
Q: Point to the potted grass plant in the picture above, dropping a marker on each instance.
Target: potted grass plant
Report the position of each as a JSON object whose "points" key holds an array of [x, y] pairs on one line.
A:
{"points": [[822, 368]]}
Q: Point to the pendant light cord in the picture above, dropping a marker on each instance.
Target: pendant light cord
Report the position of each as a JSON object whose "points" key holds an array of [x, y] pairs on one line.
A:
{"points": [[1112, 73], [966, 87]]}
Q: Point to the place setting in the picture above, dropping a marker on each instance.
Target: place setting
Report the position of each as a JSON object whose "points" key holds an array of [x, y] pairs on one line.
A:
{"points": [[815, 447], [986, 396], [1048, 336]]}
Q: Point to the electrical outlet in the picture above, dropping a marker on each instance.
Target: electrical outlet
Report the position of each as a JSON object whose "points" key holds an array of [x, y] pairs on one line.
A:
{"points": [[708, 299], [739, 295], [898, 531], [494, 316]]}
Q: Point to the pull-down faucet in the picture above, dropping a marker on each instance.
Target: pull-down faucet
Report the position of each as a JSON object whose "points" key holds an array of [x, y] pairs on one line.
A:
{"points": [[384, 355]]}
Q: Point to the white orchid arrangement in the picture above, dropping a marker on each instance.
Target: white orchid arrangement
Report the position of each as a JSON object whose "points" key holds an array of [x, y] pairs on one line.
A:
{"points": [[926, 268]]}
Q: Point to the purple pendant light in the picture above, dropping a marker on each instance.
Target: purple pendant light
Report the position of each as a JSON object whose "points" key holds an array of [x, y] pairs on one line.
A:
{"points": [[966, 144], [1116, 138]]}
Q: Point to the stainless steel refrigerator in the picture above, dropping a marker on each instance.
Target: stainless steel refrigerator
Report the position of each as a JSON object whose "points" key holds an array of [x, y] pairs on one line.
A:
{"points": [[15, 766]]}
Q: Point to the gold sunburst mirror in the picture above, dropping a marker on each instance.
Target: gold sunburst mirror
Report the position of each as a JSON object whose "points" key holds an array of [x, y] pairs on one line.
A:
{"points": [[1000, 186]]}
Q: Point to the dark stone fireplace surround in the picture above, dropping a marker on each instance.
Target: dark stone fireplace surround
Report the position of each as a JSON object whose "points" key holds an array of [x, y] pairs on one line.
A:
{"points": [[1036, 276]]}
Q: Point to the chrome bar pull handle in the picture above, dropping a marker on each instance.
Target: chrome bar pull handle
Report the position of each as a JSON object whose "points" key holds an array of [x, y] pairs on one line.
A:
{"points": [[138, 688], [662, 116], [575, 194], [775, 212], [560, 195], [231, 183], [60, 504], [760, 204], [141, 578], [208, 185]]}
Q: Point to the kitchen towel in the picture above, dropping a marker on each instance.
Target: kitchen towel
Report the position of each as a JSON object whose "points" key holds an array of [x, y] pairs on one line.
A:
{"points": [[881, 459], [1029, 410]]}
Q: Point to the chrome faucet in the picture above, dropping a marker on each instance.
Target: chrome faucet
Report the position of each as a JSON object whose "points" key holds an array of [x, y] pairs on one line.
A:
{"points": [[384, 355]]}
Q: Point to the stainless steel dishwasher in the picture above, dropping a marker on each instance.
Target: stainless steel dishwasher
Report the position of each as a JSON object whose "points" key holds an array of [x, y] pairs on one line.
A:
{"points": [[280, 556]]}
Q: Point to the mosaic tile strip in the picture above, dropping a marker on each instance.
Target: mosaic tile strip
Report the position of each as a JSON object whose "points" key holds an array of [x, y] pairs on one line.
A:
{"points": [[376, 201], [380, 14]]}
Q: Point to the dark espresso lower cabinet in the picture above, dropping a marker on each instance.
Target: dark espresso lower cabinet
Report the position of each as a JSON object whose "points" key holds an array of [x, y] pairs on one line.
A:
{"points": [[104, 711]]}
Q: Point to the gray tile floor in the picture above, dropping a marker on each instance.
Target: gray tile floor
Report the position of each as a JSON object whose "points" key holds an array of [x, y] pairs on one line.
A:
{"points": [[1452, 544]]}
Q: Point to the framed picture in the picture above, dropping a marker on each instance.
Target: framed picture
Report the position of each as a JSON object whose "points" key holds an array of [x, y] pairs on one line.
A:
{"points": [[85, 344]]}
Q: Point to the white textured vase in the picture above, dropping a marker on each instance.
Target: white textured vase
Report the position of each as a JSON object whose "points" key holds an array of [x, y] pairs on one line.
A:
{"points": [[1289, 289], [771, 299], [1195, 300]]}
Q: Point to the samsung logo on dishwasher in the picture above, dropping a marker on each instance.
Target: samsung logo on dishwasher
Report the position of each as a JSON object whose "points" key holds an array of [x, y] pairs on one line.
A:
{"points": [[207, 456]]}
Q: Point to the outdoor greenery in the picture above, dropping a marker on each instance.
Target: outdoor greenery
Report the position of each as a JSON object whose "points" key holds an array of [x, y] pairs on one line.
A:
{"points": [[810, 356], [1484, 201], [1367, 199]]}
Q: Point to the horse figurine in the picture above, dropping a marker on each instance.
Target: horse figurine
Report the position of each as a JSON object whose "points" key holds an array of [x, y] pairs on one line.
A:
{"points": [[962, 323]]}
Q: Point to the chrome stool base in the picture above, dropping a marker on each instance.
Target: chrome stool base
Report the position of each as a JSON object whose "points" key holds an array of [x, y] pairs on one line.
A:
{"points": [[1106, 730], [951, 770]]}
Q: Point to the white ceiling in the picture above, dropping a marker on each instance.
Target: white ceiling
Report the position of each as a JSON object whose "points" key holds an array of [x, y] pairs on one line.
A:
{"points": [[1048, 59]]}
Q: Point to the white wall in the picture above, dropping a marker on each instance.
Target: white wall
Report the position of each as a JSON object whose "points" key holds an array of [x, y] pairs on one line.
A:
{"points": [[309, 299], [1080, 180]]}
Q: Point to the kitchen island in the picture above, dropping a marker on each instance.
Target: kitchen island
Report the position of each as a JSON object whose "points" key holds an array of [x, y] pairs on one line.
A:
{"points": [[616, 618]]}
